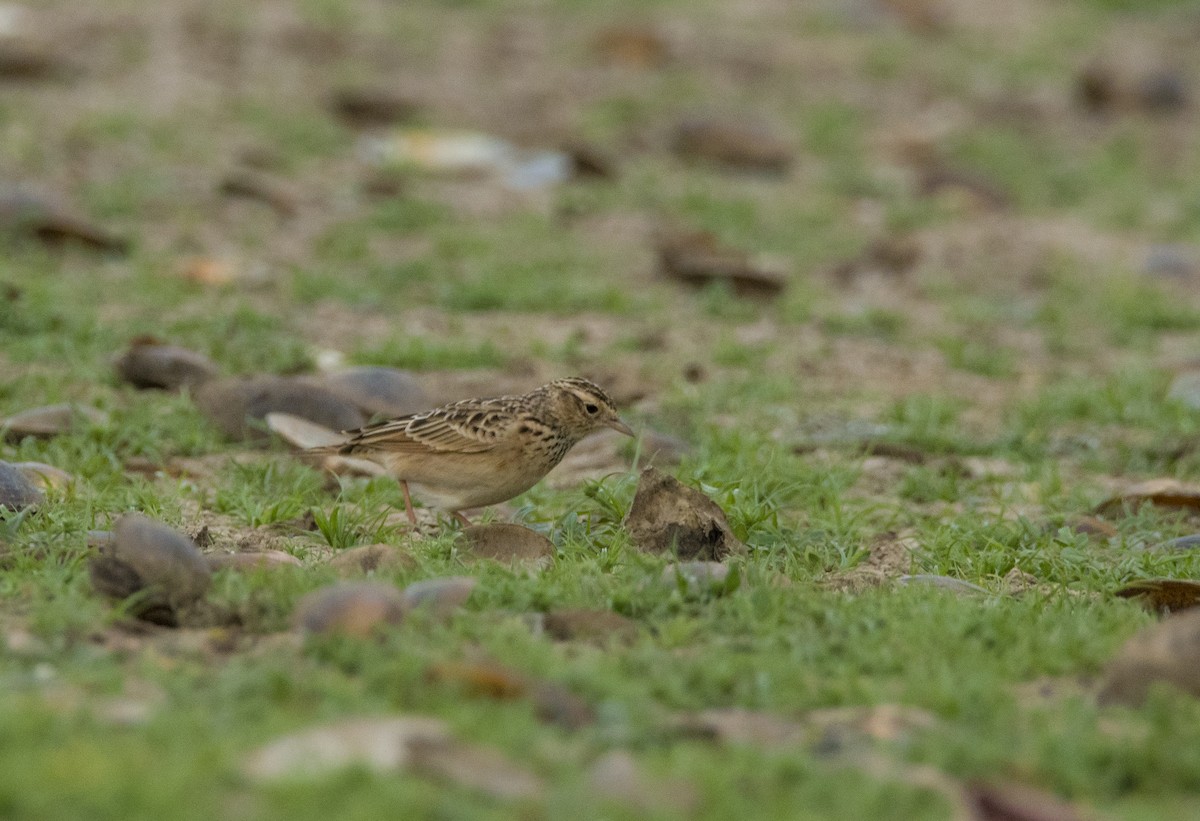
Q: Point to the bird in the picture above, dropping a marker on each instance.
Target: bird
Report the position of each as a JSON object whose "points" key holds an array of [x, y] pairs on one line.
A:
{"points": [[479, 452]]}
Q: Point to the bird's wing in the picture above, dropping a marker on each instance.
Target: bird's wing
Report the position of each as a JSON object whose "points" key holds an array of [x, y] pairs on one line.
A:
{"points": [[472, 426]]}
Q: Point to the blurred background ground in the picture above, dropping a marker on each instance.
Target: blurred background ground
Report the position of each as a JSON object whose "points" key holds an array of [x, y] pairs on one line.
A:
{"points": [[909, 287]]}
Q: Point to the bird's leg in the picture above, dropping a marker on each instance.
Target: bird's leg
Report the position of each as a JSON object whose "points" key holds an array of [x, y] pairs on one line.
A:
{"points": [[461, 518], [408, 508]]}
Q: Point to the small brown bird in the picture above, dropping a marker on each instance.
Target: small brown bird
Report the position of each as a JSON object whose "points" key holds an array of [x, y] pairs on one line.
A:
{"points": [[479, 452]]}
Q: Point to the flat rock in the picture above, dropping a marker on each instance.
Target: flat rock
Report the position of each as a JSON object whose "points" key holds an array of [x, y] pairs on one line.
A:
{"points": [[371, 558], [379, 391], [301, 433], [507, 543], [43, 476], [51, 420], [667, 517], [1168, 653], [16, 489], [378, 743], [350, 608], [149, 363], [234, 405]]}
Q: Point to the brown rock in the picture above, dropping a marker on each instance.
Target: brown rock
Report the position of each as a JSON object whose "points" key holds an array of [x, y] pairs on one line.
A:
{"points": [[369, 107], [357, 609], [597, 626], [732, 144], [262, 187], [160, 564], [1018, 802], [234, 405], [696, 258], [508, 543], [51, 420], [149, 363], [372, 558], [1168, 653], [669, 517]]}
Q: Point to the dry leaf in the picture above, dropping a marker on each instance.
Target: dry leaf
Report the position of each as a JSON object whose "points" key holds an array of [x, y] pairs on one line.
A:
{"points": [[1167, 595]]}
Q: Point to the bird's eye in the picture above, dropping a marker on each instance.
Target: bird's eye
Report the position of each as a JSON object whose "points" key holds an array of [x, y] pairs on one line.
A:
{"points": [[591, 408]]}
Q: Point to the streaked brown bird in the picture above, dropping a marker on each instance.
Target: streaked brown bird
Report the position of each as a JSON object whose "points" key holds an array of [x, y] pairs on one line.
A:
{"points": [[480, 452]]}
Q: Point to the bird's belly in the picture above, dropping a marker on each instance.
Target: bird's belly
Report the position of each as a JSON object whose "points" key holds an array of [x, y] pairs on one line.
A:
{"points": [[466, 482]]}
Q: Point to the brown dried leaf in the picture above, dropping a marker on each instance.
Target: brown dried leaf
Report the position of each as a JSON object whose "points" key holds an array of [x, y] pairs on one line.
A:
{"points": [[733, 144], [1017, 802], [696, 258], [1159, 595], [1170, 493]]}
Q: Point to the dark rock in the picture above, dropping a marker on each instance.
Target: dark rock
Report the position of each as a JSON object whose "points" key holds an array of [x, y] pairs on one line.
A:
{"points": [[149, 363], [160, 564], [16, 491], [669, 517]]}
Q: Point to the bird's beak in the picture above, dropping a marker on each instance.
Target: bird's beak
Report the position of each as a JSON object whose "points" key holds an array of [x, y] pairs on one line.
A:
{"points": [[618, 425]]}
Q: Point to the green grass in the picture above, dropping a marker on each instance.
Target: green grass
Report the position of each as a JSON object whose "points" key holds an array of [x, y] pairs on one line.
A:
{"points": [[1015, 379]]}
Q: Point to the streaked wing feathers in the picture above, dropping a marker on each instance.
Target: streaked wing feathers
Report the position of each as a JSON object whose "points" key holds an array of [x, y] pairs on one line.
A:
{"points": [[472, 426]]}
